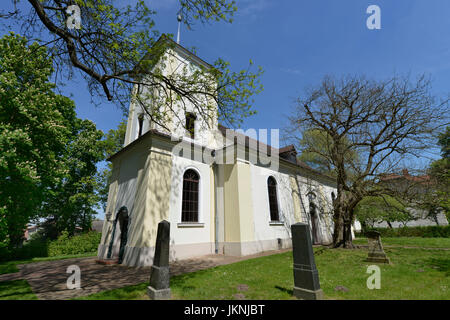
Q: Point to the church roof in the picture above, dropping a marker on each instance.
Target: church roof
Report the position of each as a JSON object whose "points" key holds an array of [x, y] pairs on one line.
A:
{"points": [[283, 152], [287, 153]]}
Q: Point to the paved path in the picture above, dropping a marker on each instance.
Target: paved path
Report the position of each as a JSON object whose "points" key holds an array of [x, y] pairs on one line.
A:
{"points": [[48, 279]]}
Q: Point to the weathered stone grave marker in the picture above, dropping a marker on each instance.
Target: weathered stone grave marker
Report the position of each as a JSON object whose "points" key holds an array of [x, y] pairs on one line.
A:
{"points": [[159, 288], [376, 252], [306, 275]]}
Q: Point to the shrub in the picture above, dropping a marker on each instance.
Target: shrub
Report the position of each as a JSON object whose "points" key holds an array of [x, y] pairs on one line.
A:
{"points": [[65, 245], [31, 249], [424, 232]]}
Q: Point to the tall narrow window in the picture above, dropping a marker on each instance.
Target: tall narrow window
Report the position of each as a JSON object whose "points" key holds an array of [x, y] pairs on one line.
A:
{"points": [[190, 124], [189, 207], [273, 200], [140, 124]]}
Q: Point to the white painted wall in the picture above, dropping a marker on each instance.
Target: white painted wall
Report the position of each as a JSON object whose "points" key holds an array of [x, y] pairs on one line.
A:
{"points": [[263, 229], [190, 235]]}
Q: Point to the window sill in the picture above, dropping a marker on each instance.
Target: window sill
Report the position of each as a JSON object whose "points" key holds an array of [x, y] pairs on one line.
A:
{"points": [[276, 223], [190, 225]]}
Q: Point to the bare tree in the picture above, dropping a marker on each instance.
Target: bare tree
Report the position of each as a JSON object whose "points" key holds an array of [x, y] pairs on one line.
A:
{"points": [[384, 122]]}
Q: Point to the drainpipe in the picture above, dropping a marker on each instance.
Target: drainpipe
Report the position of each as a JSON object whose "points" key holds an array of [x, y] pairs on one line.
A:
{"points": [[216, 216]]}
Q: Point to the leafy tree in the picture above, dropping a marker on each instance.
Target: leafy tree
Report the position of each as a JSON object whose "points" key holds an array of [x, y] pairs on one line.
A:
{"points": [[383, 121], [117, 50], [437, 199], [34, 128], [71, 202], [317, 157], [376, 209]]}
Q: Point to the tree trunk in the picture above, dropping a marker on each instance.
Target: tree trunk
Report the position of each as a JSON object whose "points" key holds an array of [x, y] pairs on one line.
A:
{"points": [[338, 233]]}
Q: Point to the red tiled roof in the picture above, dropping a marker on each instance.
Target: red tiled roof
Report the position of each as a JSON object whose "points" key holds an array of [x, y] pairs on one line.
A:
{"points": [[406, 176]]}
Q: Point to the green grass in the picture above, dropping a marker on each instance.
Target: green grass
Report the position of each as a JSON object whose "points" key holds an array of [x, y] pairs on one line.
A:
{"points": [[411, 241], [11, 266], [16, 290], [413, 274]]}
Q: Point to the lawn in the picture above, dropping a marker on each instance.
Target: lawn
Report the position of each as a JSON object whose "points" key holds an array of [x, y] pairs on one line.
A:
{"points": [[413, 274], [411, 242], [16, 290], [11, 266]]}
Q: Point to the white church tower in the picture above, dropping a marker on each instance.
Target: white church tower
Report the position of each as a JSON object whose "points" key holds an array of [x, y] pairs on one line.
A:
{"points": [[177, 115]]}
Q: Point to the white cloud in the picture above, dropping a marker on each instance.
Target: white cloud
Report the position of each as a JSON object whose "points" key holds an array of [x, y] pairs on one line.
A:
{"points": [[292, 71], [252, 7]]}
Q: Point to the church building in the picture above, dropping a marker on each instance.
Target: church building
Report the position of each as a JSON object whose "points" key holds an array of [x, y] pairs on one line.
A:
{"points": [[223, 191]]}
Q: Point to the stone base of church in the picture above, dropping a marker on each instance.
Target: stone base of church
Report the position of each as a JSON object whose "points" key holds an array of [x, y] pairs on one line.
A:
{"points": [[239, 249], [163, 294], [306, 294], [143, 256], [107, 262]]}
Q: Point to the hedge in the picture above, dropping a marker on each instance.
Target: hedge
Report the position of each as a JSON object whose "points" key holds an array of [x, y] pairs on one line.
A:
{"points": [[424, 232], [64, 245]]}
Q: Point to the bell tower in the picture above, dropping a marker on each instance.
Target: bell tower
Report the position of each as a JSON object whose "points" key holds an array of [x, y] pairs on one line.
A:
{"points": [[175, 114]]}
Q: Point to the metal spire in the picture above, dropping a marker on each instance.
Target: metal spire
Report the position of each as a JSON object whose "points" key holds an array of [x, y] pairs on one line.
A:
{"points": [[179, 18]]}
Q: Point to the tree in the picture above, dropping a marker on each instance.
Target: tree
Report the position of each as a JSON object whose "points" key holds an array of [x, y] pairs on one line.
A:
{"points": [[34, 128], [383, 121], [321, 139], [117, 50], [437, 199], [376, 209], [71, 202]]}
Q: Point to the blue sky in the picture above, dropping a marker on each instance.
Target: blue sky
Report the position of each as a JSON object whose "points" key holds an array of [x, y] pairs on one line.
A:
{"points": [[297, 42]]}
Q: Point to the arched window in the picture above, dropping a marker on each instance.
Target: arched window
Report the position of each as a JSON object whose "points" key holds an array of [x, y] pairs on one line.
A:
{"points": [[189, 207], [273, 200]]}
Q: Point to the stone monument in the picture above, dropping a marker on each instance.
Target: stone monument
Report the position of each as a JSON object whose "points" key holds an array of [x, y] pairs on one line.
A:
{"points": [[159, 288], [376, 252], [306, 275]]}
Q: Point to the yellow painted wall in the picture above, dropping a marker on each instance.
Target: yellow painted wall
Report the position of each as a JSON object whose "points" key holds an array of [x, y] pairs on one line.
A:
{"points": [[239, 224], [111, 202], [152, 199]]}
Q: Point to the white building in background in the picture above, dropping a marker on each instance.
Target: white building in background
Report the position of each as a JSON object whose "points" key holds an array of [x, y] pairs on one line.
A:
{"points": [[234, 207]]}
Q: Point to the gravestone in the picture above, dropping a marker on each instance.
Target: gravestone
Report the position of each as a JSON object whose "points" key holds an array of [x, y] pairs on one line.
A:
{"points": [[376, 252], [306, 275], [159, 288]]}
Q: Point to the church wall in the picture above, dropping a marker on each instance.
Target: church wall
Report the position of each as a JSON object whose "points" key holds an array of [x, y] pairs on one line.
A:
{"points": [[110, 205], [143, 186], [188, 240], [238, 209], [126, 169], [269, 235], [324, 202]]}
